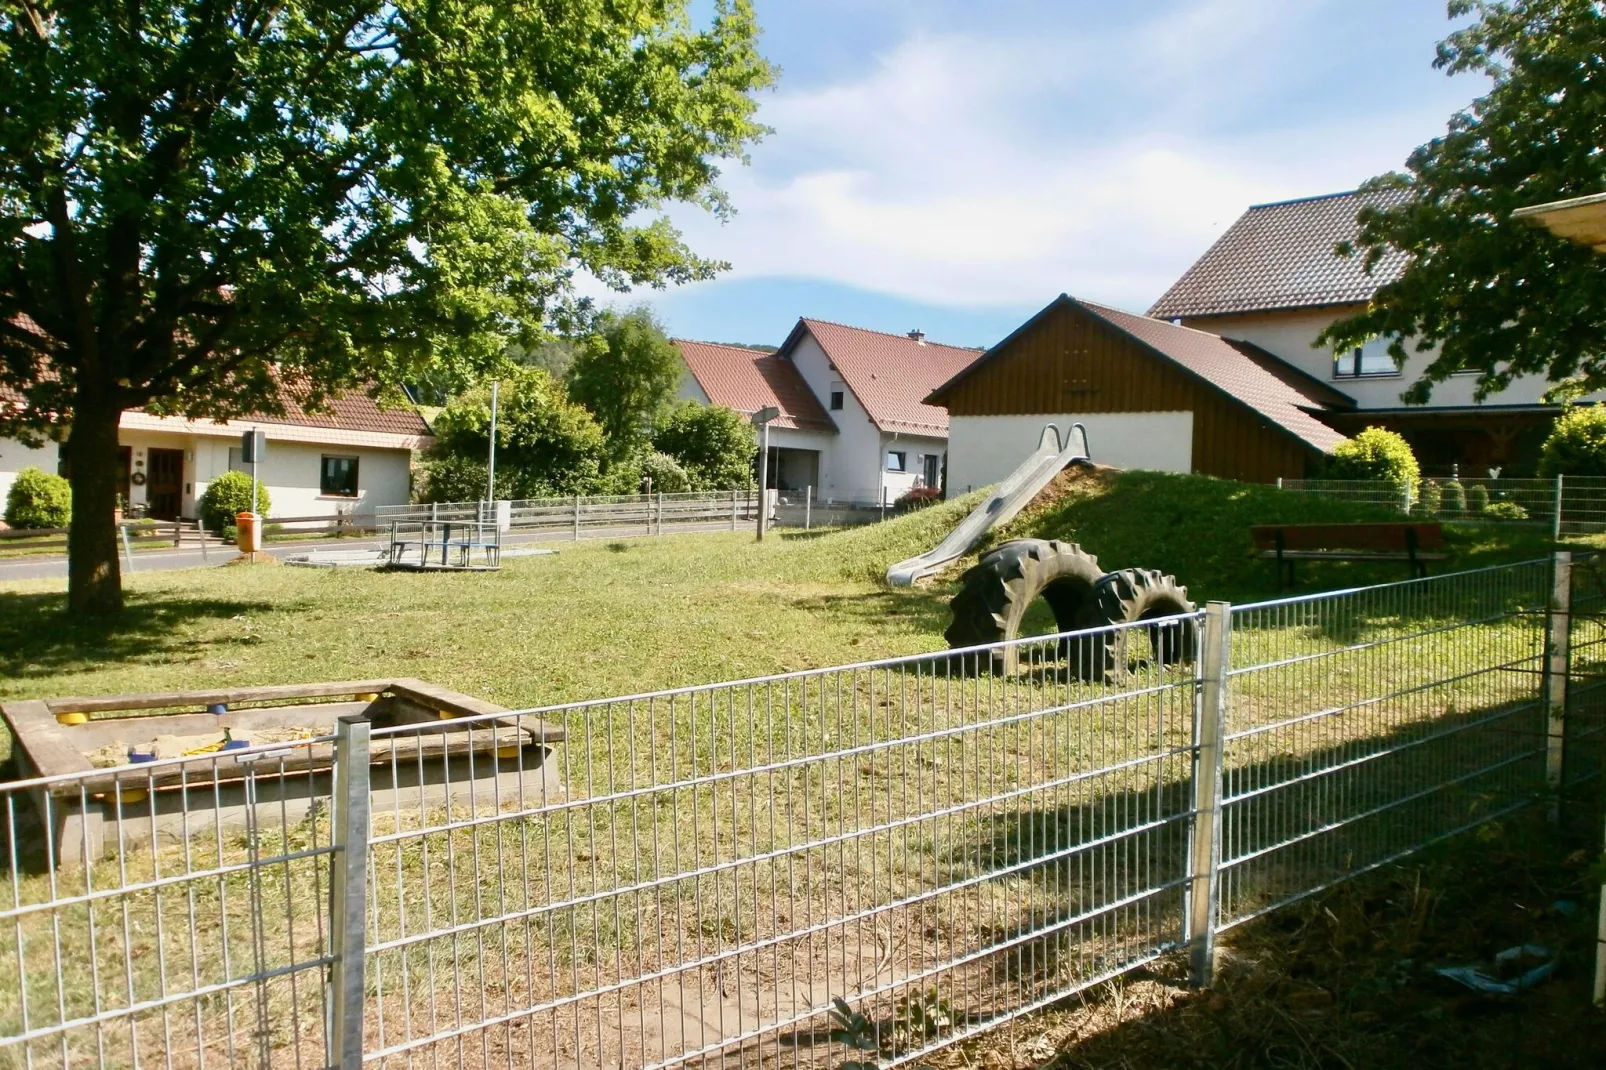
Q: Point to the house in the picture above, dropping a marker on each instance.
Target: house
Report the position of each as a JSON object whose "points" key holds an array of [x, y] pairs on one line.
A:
{"points": [[1151, 394], [353, 457], [1274, 280], [855, 422]]}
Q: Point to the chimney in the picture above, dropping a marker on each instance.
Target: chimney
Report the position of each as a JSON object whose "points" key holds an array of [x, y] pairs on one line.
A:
{"points": [[918, 336]]}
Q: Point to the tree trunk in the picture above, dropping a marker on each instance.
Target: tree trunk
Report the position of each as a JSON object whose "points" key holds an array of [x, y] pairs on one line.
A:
{"points": [[94, 583]]}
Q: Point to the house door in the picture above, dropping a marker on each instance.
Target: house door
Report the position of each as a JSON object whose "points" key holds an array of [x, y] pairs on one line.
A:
{"points": [[931, 474], [165, 493]]}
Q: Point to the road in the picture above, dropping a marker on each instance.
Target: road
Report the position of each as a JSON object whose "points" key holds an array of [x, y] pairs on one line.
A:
{"points": [[51, 566]]}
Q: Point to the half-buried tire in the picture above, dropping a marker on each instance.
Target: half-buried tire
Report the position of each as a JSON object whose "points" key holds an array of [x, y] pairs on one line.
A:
{"points": [[1128, 596], [997, 590]]}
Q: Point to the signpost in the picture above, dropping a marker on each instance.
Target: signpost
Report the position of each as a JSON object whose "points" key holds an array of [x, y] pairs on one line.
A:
{"points": [[490, 478], [253, 444], [761, 420]]}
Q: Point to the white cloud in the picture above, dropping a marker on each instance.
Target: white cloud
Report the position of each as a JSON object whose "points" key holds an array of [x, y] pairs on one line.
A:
{"points": [[980, 171]]}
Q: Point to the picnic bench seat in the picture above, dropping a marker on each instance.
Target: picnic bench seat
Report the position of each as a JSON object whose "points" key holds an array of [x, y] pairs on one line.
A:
{"points": [[453, 543], [1406, 541]]}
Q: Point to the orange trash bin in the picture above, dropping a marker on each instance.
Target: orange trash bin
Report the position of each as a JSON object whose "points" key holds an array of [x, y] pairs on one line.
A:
{"points": [[247, 532]]}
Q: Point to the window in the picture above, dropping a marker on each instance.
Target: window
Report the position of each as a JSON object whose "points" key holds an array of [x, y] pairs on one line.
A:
{"points": [[339, 477], [836, 401], [1371, 359], [895, 460]]}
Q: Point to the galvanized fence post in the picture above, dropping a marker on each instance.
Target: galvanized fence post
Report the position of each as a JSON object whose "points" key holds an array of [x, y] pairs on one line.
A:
{"points": [[577, 518], [1555, 519], [348, 892], [1204, 846], [1558, 644], [733, 508], [808, 506], [128, 549]]}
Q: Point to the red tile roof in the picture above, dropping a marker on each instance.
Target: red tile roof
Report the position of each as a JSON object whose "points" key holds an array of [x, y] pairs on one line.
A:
{"points": [[1280, 256], [1276, 392], [890, 374], [748, 380]]}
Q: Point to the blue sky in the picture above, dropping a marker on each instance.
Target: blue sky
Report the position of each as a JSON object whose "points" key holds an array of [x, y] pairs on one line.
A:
{"points": [[954, 165]]}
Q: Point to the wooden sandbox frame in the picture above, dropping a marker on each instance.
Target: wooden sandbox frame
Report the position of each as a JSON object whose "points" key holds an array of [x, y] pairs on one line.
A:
{"points": [[510, 756]]}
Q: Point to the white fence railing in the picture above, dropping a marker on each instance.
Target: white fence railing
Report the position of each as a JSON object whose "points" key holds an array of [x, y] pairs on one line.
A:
{"points": [[669, 878]]}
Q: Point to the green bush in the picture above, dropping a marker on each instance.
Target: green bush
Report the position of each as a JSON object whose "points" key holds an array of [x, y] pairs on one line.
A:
{"points": [[715, 445], [39, 499], [1478, 498], [228, 494], [1455, 498], [667, 476], [1505, 511], [1577, 444], [1375, 453], [1431, 500]]}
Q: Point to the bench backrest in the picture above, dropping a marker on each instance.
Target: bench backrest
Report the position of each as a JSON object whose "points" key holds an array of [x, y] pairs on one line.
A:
{"points": [[1387, 536]]}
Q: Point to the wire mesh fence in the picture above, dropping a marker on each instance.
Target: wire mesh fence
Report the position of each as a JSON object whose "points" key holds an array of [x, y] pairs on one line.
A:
{"points": [[941, 842], [1565, 505]]}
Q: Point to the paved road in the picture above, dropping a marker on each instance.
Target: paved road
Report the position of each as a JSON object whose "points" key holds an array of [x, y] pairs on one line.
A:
{"points": [[55, 565]]}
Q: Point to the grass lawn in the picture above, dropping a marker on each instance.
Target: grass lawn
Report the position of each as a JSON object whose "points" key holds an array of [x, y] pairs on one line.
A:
{"points": [[602, 619]]}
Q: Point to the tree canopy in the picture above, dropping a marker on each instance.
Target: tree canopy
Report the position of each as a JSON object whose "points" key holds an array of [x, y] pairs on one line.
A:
{"points": [[1494, 295], [626, 372], [203, 199], [715, 445]]}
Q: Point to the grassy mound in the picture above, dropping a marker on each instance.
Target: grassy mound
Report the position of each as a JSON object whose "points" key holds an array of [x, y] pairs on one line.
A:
{"points": [[1197, 528]]}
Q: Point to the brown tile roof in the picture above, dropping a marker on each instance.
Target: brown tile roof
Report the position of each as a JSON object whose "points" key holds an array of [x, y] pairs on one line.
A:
{"points": [[1250, 376], [890, 374], [1280, 256], [747, 380], [353, 411]]}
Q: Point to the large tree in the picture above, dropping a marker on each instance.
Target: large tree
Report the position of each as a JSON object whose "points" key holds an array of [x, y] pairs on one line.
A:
{"points": [[626, 371], [1494, 295], [202, 199]]}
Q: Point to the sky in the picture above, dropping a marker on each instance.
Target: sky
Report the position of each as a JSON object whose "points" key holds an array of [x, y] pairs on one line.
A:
{"points": [[953, 165]]}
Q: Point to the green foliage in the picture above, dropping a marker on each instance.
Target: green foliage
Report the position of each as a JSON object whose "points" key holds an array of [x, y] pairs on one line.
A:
{"points": [[38, 499], [1491, 292], [667, 476], [854, 1031], [227, 495], [1577, 443], [1455, 499], [1505, 510], [1430, 499], [230, 194], [715, 445], [626, 372], [1375, 453], [546, 445], [1477, 498]]}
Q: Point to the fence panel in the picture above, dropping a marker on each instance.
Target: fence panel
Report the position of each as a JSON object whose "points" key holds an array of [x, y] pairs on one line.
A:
{"points": [[942, 848], [171, 913], [1366, 724], [1582, 499]]}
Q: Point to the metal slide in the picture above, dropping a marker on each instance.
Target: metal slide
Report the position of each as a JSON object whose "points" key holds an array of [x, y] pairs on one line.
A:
{"points": [[1007, 499]]}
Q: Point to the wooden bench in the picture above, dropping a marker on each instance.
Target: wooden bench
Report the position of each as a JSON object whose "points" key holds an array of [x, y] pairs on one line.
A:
{"points": [[1404, 541]]}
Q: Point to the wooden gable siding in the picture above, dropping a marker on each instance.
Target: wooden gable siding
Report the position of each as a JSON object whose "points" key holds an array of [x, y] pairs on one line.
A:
{"points": [[1072, 363]]}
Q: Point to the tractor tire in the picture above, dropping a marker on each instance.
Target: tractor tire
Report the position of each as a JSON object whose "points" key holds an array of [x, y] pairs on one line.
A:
{"points": [[1125, 597], [997, 590]]}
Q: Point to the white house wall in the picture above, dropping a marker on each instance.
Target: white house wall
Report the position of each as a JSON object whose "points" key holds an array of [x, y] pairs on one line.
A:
{"points": [[984, 449], [915, 449], [850, 470], [690, 388], [1290, 335], [292, 472], [14, 457]]}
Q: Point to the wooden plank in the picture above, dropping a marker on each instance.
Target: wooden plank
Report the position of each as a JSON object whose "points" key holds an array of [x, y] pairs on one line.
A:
{"points": [[34, 727], [159, 699], [1350, 555], [1375, 536], [440, 698]]}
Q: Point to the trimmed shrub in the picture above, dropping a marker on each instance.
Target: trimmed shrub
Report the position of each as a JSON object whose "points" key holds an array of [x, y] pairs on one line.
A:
{"points": [[228, 494], [715, 445], [1375, 453], [1577, 444], [1455, 498], [1478, 498], [1430, 502], [39, 499], [1505, 511], [918, 498]]}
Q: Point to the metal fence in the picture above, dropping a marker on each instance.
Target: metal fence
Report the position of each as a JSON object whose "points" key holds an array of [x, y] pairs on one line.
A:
{"points": [[941, 842], [1565, 505]]}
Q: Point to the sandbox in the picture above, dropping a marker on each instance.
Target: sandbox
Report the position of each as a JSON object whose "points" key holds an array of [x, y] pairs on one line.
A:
{"points": [[95, 809]]}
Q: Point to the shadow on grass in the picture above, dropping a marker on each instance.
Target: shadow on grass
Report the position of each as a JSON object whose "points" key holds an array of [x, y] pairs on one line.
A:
{"points": [[38, 637], [926, 610]]}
